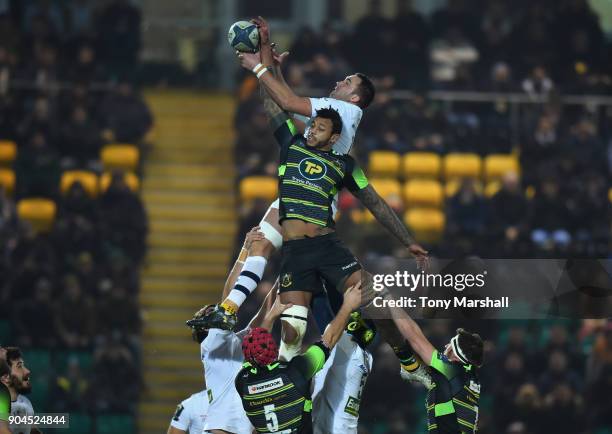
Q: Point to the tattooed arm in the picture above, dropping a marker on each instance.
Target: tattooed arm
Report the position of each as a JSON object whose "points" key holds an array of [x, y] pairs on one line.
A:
{"points": [[389, 219]]}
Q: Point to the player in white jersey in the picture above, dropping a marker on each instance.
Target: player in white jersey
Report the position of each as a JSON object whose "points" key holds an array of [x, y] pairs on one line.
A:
{"points": [[337, 388], [18, 384], [190, 415]]}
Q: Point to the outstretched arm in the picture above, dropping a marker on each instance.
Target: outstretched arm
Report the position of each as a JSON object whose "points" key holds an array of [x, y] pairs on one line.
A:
{"points": [[413, 334], [389, 219], [265, 308]]}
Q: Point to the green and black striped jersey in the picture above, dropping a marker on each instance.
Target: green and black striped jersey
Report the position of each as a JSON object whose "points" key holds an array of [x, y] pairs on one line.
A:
{"points": [[452, 404], [276, 397], [309, 178], [5, 403]]}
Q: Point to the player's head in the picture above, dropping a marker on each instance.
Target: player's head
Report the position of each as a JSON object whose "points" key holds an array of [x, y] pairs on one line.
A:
{"points": [[198, 330], [325, 129], [362, 330], [259, 347], [357, 89], [466, 348], [19, 375]]}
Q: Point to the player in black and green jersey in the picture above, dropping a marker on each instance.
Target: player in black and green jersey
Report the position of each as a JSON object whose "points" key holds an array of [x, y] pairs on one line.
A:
{"points": [[276, 394], [452, 401], [5, 395]]}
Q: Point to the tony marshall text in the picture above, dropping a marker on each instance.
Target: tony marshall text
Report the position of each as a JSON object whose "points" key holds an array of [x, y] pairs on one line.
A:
{"points": [[454, 302]]}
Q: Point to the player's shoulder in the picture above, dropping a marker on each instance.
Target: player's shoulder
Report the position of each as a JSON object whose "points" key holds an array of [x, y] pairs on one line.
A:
{"points": [[337, 104]]}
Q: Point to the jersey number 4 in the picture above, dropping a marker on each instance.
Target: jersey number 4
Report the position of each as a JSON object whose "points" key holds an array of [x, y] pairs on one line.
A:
{"points": [[271, 419]]}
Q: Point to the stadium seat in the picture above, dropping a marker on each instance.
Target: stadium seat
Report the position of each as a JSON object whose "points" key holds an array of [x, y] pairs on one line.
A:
{"points": [[386, 187], [452, 187], [39, 212], [89, 180], [497, 165], [384, 164], [120, 156], [610, 194], [131, 180], [423, 192], [426, 223], [7, 180], [79, 423], [115, 424], [422, 165], [259, 187], [458, 165], [492, 188], [8, 152]]}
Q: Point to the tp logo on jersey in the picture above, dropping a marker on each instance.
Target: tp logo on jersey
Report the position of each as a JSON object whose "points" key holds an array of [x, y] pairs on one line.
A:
{"points": [[312, 169]]}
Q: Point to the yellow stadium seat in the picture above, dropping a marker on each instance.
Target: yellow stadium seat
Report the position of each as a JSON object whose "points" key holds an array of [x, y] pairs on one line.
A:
{"points": [[422, 165], [39, 212], [7, 180], [427, 224], [386, 187], [462, 166], [131, 180], [423, 192], [384, 164], [497, 165], [452, 187], [610, 194], [492, 188], [8, 152], [89, 180], [120, 156], [259, 187]]}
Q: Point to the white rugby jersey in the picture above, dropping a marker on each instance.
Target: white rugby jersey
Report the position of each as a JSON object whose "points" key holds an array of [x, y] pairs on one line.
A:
{"points": [[222, 357], [337, 388], [350, 114], [190, 414], [21, 407]]}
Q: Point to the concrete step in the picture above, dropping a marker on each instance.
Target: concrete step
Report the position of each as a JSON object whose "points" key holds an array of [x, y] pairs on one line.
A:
{"points": [[201, 157], [173, 362], [190, 212], [194, 228], [167, 314], [179, 197], [197, 183], [184, 347], [160, 255], [190, 301], [183, 286], [180, 241], [173, 169], [187, 271]]}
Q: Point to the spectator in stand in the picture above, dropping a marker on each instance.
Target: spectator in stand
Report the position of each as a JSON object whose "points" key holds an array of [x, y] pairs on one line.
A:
{"points": [[40, 120], [467, 216], [255, 144], [526, 407], [69, 393], [559, 372], [118, 30], [116, 378], [89, 276], [514, 374], [599, 405], [540, 149], [563, 409], [80, 141], [549, 217], [508, 208], [47, 9], [412, 36], [124, 218], [80, 17], [373, 42], [74, 316], [496, 26], [86, 69], [538, 83], [37, 168], [124, 309], [33, 319], [124, 116]]}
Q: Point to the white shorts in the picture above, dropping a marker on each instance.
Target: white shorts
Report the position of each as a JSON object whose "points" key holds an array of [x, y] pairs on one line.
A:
{"points": [[226, 413], [272, 234]]}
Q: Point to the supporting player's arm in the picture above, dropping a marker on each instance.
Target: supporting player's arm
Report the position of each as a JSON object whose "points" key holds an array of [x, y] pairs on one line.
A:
{"points": [[352, 301], [413, 334]]}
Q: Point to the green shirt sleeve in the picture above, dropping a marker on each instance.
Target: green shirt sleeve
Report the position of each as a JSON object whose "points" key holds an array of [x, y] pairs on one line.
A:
{"points": [[441, 364], [5, 403], [285, 133], [312, 361], [354, 178]]}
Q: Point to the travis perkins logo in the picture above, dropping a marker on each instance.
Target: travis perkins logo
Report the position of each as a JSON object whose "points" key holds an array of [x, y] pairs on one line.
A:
{"points": [[265, 386], [312, 169]]}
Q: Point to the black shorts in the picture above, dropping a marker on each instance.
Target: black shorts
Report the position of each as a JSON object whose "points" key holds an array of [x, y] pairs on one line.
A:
{"points": [[309, 263]]}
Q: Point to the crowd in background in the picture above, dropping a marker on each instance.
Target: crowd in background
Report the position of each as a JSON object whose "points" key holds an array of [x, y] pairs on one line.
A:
{"points": [[70, 296], [539, 376]]}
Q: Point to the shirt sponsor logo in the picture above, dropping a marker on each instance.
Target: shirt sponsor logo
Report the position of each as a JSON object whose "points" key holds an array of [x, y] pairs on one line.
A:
{"points": [[312, 169], [474, 386], [265, 386], [352, 406]]}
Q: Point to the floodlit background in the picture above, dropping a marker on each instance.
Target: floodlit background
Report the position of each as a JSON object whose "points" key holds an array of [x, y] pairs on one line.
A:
{"points": [[134, 156]]}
